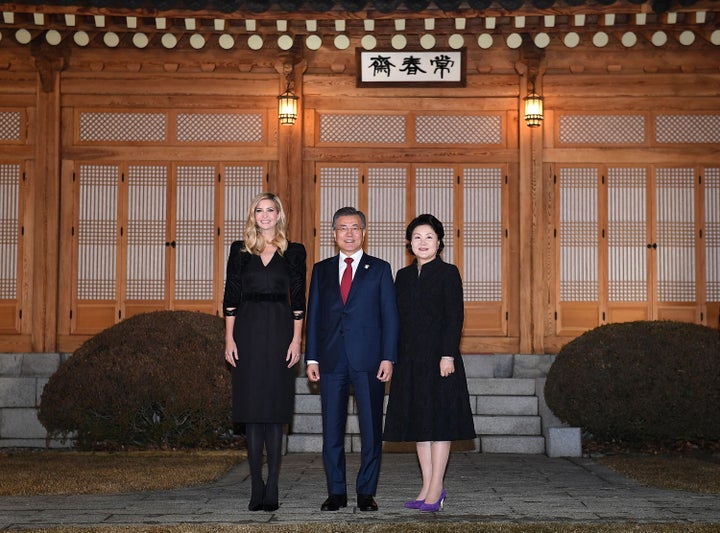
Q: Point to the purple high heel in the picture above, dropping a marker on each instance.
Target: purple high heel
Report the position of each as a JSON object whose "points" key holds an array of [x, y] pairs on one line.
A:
{"points": [[414, 504], [434, 507]]}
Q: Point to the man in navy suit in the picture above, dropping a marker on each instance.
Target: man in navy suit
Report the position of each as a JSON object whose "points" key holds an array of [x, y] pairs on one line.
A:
{"points": [[351, 339]]}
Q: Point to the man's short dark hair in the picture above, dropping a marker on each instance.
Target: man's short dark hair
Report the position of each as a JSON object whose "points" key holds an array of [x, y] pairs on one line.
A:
{"points": [[349, 212]]}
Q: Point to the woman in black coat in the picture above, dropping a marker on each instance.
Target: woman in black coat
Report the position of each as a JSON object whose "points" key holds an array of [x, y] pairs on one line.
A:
{"points": [[264, 307], [429, 402]]}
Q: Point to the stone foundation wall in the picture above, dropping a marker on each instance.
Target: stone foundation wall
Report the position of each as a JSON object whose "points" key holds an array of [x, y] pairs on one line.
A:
{"points": [[23, 376]]}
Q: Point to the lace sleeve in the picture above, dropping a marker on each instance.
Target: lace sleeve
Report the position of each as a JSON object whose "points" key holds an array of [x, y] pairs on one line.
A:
{"points": [[233, 278], [296, 258]]}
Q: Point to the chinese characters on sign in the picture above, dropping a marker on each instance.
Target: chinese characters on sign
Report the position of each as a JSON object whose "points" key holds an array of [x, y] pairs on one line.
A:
{"points": [[438, 67]]}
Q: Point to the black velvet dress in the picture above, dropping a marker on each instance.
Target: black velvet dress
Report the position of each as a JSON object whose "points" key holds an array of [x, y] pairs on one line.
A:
{"points": [[264, 298], [423, 406]]}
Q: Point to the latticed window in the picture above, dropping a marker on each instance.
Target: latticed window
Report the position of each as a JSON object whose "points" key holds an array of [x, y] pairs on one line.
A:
{"points": [[9, 234], [712, 234], [627, 235], [578, 233], [12, 191], [628, 245], [97, 232], [470, 200], [148, 236]]}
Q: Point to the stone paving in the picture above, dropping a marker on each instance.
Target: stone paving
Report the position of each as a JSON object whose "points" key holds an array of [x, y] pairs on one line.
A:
{"points": [[480, 487]]}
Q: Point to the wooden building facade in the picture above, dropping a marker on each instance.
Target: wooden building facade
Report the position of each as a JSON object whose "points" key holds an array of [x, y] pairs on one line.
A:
{"points": [[132, 140]]}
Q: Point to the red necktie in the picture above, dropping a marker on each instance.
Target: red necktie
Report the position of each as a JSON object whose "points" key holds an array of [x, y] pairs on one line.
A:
{"points": [[346, 280]]}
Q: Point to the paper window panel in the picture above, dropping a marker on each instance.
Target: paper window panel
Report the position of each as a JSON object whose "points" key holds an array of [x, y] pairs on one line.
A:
{"points": [[9, 216], [627, 234], [387, 189], [434, 194], [675, 234], [219, 127], [195, 232], [362, 129], [97, 232], [146, 232], [578, 235], [687, 129], [712, 234], [443, 129], [122, 127], [602, 129], [482, 234], [338, 188], [242, 184], [10, 126]]}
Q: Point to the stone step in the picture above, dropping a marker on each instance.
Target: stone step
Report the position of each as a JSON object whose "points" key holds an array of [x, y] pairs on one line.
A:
{"points": [[505, 405], [505, 414], [501, 386], [512, 444], [508, 425]]}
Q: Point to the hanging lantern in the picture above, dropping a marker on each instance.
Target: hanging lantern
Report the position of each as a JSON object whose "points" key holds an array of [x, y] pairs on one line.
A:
{"points": [[533, 108], [287, 107]]}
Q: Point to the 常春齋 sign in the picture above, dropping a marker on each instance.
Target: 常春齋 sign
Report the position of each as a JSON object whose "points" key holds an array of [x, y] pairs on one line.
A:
{"points": [[435, 68]]}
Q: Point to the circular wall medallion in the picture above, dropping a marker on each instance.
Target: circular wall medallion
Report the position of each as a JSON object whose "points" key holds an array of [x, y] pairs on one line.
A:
{"points": [[398, 42], [313, 42], [629, 39], [542, 40], [111, 39], [226, 41], [456, 41], [197, 41], [659, 38], [601, 39], [715, 37], [485, 41], [571, 40], [369, 42], [169, 40], [427, 41], [53, 37], [687, 38], [342, 42], [23, 36], [140, 40], [514, 41], [285, 42], [255, 42], [81, 38]]}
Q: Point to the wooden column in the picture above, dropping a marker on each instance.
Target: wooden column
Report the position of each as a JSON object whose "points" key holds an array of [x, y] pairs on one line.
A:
{"points": [[290, 143], [537, 189], [532, 306], [45, 197], [525, 218]]}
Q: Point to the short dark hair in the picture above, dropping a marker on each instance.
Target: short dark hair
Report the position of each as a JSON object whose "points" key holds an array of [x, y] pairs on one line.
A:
{"points": [[425, 219], [349, 212]]}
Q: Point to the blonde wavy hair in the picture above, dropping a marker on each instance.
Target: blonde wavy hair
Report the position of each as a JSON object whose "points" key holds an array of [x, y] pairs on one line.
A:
{"points": [[254, 243]]}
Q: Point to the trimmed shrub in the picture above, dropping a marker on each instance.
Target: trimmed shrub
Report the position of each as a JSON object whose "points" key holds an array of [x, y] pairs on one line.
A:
{"points": [[638, 381], [154, 380]]}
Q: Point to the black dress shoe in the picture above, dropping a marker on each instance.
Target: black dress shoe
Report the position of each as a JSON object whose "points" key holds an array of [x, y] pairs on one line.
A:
{"points": [[366, 502], [334, 502]]}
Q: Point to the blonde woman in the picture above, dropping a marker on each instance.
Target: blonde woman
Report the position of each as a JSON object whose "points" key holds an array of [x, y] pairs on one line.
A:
{"points": [[264, 308]]}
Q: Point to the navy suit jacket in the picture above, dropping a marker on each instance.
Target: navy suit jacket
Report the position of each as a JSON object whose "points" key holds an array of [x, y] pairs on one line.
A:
{"points": [[365, 329]]}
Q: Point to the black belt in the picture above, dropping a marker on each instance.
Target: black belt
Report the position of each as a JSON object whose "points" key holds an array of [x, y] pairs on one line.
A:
{"points": [[264, 297]]}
